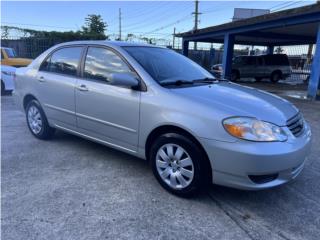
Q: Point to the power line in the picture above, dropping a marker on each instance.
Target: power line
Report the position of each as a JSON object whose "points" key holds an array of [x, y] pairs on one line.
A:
{"points": [[187, 17], [281, 4], [159, 17], [286, 6], [36, 25]]}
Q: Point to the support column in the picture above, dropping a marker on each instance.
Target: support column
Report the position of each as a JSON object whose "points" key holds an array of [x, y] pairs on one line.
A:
{"points": [[227, 55], [212, 56], [185, 47], [314, 83], [270, 49]]}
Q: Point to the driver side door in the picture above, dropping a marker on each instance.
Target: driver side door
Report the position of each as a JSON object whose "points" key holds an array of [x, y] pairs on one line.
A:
{"points": [[104, 111]]}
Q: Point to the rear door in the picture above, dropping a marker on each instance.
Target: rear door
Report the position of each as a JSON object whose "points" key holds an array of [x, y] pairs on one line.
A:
{"points": [[106, 112], [260, 69], [56, 80], [248, 66]]}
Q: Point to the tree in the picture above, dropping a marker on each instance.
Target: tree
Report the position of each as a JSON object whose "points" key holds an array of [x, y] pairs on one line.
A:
{"points": [[94, 25], [4, 32], [279, 50]]}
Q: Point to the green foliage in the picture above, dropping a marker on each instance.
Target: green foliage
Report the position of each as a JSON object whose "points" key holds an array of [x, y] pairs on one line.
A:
{"points": [[93, 30], [279, 50], [94, 25]]}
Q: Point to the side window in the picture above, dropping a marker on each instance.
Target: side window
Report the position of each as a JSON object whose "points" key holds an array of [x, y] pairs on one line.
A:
{"points": [[251, 61], [63, 61], [238, 60], [101, 62]]}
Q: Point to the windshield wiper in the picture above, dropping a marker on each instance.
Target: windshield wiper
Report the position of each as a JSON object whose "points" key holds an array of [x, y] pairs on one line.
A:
{"points": [[210, 80], [205, 80], [176, 82]]}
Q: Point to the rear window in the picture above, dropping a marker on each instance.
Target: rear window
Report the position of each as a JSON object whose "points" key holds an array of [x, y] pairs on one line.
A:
{"points": [[63, 61], [276, 59]]}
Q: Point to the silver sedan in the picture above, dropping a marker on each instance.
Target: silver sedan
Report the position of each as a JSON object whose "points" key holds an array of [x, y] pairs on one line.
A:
{"points": [[158, 105]]}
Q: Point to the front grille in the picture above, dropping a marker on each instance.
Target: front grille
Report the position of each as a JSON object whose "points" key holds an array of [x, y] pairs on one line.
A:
{"points": [[296, 124]]}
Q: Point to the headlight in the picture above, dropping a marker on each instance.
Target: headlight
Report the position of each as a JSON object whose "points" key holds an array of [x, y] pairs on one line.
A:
{"points": [[254, 130]]}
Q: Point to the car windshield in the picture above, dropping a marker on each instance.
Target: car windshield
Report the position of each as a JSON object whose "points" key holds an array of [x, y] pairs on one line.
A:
{"points": [[10, 53], [165, 65]]}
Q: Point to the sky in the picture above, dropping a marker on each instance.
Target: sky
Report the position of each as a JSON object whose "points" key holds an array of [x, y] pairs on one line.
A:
{"points": [[149, 18]]}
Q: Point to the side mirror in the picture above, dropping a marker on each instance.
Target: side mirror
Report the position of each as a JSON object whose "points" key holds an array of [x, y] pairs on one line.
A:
{"points": [[124, 80]]}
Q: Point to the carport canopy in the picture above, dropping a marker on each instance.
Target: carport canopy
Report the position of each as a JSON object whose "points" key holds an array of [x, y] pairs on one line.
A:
{"points": [[298, 26]]}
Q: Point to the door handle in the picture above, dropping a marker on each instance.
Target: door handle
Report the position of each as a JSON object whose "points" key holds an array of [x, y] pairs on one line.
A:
{"points": [[41, 79], [83, 88]]}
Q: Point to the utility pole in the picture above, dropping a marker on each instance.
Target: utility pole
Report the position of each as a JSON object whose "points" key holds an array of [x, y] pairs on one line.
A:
{"points": [[119, 24], [174, 37], [196, 20]]}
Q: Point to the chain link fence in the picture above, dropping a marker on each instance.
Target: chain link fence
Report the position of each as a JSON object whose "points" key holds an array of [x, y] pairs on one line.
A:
{"points": [[300, 56]]}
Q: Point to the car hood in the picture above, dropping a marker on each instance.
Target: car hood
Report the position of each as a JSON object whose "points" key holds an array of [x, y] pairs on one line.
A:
{"points": [[236, 100]]}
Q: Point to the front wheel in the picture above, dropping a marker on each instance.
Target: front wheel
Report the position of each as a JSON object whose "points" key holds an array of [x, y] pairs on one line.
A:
{"points": [[275, 77], [178, 164], [37, 121], [235, 76]]}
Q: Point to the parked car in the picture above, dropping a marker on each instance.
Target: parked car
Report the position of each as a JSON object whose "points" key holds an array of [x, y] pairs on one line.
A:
{"points": [[158, 105], [10, 58], [7, 79], [273, 66]]}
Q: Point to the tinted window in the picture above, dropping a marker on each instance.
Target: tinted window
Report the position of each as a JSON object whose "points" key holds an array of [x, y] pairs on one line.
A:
{"points": [[101, 62], [166, 65], [260, 61], [276, 59], [63, 61], [250, 60]]}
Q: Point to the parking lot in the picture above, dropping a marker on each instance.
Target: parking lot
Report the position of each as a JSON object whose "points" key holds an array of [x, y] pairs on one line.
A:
{"points": [[71, 188]]}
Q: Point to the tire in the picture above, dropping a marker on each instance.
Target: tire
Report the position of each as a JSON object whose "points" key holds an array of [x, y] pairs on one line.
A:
{"points": [[235, 76], [275, 76], [37, 121], [181, 174], [258, 79], [3, 89]]}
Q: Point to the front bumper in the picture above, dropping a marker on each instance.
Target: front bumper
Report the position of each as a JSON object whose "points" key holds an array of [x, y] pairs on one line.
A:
{"points": [[233, 163]]}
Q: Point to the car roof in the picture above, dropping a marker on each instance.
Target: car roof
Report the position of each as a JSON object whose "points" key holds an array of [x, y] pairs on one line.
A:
{"points": [[263, 55], [109, 43]]}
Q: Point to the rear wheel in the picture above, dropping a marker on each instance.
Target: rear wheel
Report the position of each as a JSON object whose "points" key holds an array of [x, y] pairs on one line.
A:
{"points": [[275, 76], [37, 121], [235, 75], [3, 90], [178, 164]]}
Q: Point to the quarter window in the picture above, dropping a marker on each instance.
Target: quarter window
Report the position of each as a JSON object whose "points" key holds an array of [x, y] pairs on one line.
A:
{"points": [[63, 61], [101, 62]]}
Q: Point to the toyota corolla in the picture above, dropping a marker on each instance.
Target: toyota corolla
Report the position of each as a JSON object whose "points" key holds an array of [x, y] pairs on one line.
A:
{"points": [[158, 105]]}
